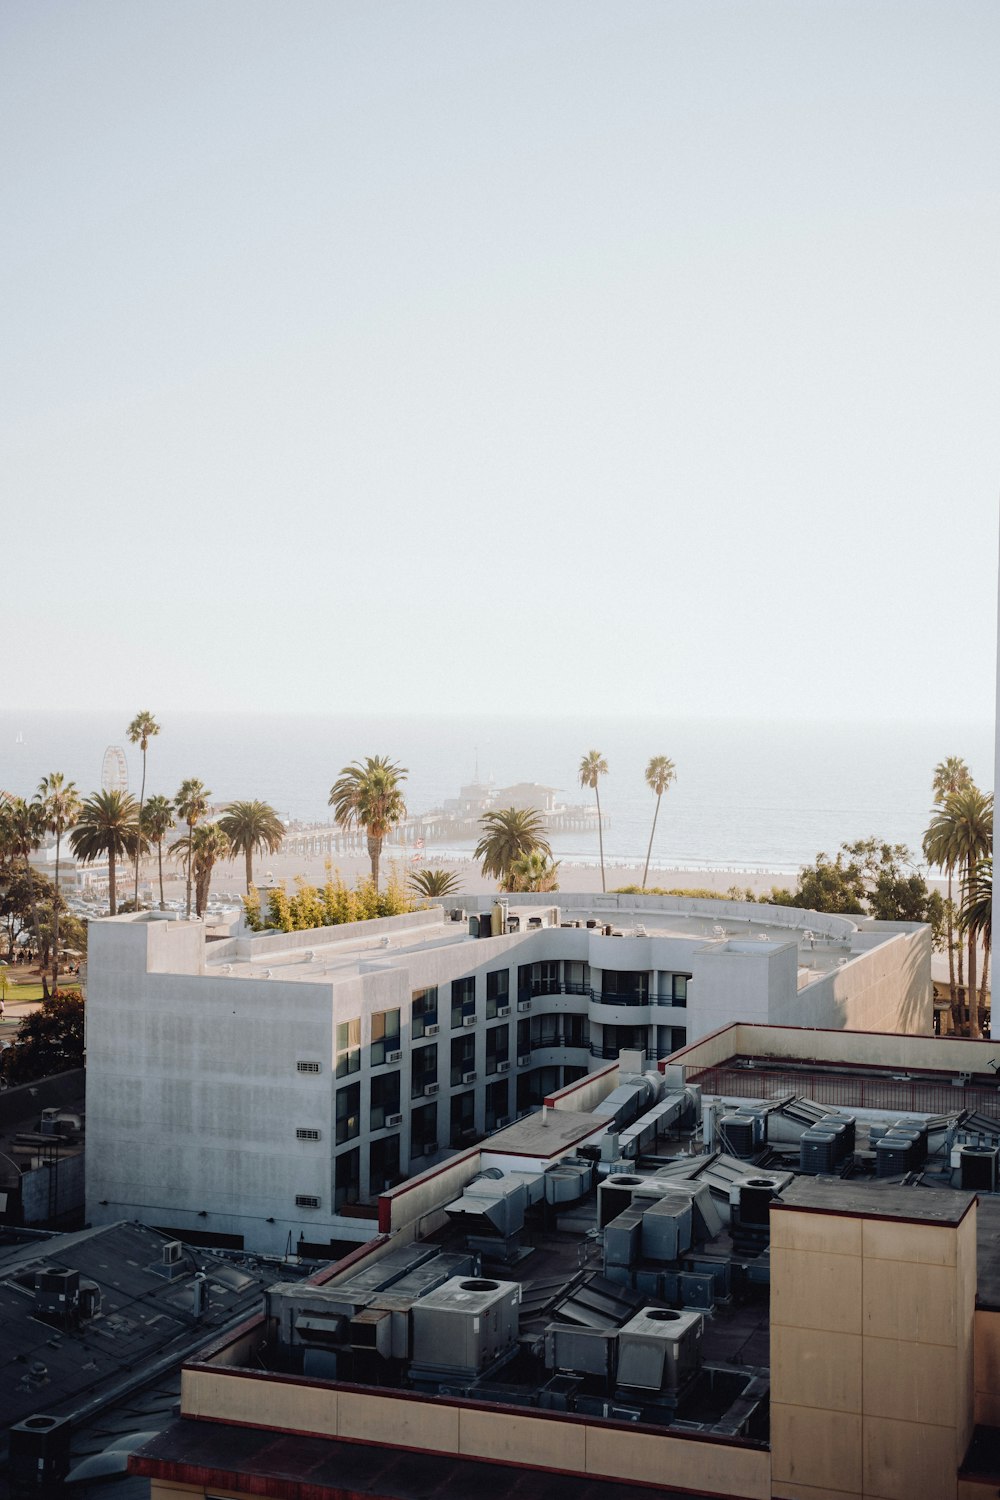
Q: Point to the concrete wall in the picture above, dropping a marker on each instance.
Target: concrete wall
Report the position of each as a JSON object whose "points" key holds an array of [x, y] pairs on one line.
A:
{"points": [[54, 1191], [876, 1049], [871, 1355], [523, 1438]]}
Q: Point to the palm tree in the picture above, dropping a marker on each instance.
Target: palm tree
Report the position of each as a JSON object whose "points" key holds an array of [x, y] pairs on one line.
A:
{"points": [[140, 732], [60, 804], [202, 847], [534, 871], [950, 775], [659, 774], [976, 919], [508, 835], [157, 820], [251, 826], [592, 768], [367, 795], [191, 805], [434, 882], [960, 837], [108, 827], [23, 834]]}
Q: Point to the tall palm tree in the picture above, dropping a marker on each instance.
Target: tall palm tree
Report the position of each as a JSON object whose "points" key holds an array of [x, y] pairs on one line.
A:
{"points": [[108, 827], [434, 882], [367, 795], [950, 775], [157, 821], [191, 805], [592, 767], [508, 835], [249, 827], [140, 732], [534, 871], [23, 834], [60, 803], [659, 774], [976, 919], [960, 836], [202, 847]]}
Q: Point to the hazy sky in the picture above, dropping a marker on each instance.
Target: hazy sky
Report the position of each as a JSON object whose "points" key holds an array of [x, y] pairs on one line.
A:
{"points": [[504, 356]]}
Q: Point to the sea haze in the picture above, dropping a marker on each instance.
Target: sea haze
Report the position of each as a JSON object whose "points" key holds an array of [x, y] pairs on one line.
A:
{"points": [[753, 794]]}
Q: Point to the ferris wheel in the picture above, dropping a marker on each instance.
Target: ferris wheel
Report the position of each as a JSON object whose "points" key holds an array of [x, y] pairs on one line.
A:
{"points": [[114, 770]]}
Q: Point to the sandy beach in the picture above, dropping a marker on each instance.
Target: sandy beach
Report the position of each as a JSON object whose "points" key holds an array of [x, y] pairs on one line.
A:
{"points": [[229, 877]]}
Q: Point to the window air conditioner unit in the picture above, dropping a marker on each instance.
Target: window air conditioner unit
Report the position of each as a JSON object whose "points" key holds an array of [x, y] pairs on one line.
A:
{"points": [[503, 1010], [394, 1119], [524, 1005], [431, 1030], [469, 1077], [432, 1088], [393, 1057], [469, 1021], [503, 1067], [503, 1122], [430, 1148], [524, 1059]]}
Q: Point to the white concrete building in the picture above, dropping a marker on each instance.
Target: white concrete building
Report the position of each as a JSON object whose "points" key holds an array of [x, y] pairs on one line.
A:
{"points": [[262, 1088]]}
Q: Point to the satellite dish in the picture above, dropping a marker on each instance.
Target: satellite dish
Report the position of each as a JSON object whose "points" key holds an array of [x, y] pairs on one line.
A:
{"points": [[114, 770]]}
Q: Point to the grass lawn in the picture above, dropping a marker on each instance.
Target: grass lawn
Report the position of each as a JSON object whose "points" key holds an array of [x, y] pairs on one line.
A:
{"points": [[33, 991]]}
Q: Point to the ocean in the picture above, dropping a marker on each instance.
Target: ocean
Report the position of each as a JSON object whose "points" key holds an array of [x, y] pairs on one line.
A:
{"points": [[749, 795]]}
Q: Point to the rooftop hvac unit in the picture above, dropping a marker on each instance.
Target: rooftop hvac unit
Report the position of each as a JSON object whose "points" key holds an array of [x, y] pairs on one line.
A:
{"points": [[666, 1227], [371, 1329], [659, 1349], [568, 1182], [743, 1135], [173, 1251], [978, 1169], [464, 1327], [432, 1029], [894, 1155], [39, 1453], [56, 1292], [474, 926], [585, 1351], [623, 1239], [844, 1127], [750, 1198], [818, 1152], [615, 1194]]}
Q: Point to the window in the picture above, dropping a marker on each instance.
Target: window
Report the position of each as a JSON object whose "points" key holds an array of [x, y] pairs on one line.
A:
{"points": [[423, 1011], [307, 1067], [385, 1100], [306, 1135], [385, 1036], [348, 1047], [423, 1129], [463, 1057], [463, 1118], [625, 987], [545, 978], [347, 1178], [424, 1066], [523, 1037], [497, 1048], [576, 978], [383, 1163], [348, 1113], [497, 991], [680, 989], [497, 1103], [463, 1001]]}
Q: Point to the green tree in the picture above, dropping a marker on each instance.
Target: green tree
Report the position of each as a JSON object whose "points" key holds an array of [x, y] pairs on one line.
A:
{"points": [[659, 774], [976, 921], [592, 767], [60, 807], [25, 894], [508, 835], [191, 805], [157, 821], [201, 849], [21, 833], [141, 730], [960, 834], [433, 883], [368, 795], [950, 775], [108, 828], [49, 1040], [252, 827], [534, 871]]}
